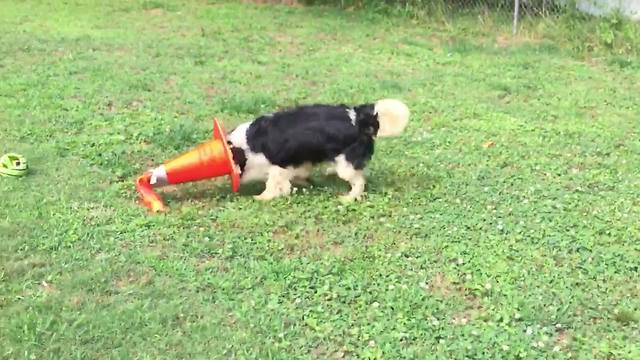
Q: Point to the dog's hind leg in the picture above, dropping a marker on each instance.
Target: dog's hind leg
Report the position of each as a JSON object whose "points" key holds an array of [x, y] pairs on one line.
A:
{"points": [[278, 183], [301, 175], [330, 170], [355, 177]]}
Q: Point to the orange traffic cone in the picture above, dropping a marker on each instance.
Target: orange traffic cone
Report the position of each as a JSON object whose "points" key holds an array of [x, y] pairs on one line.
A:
{"points": [[208, 160]]}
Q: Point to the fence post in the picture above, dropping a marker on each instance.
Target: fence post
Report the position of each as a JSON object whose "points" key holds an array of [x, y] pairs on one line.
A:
{"points": [[516, 13]]}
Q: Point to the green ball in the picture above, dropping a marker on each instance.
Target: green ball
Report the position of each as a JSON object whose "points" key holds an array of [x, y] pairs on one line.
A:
{"points": [[14, 165]]}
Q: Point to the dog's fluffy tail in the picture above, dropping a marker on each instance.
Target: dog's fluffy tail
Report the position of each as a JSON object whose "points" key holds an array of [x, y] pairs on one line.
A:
{"points": [[393, 116]]}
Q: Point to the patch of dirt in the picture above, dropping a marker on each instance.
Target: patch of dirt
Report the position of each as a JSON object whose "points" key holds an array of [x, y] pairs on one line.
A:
{"points": [[341, 354], [232, 319], [283, 38], [209, 263], [279, 234], [212, 91], [326, 37], [309, 243], [323, 352], [122, 51], [76, 301], [443, 286], [154, 12], [286, 43], [158, 249], [319, 352], [489, 144], [133, 279], [563, 339], [295, 3], [436, 41], [472, 310], [314, 236], [505, 41], [135, 104], [463, 317], [111, 107], [171, 82], [336, 249], [48, 288]]}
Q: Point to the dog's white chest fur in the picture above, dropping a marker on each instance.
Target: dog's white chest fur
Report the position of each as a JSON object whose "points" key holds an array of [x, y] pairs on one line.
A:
{"points": [[257, 167]]}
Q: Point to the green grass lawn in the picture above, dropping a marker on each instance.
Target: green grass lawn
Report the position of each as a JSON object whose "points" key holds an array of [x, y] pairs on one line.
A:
{"points": [[502, 225]]}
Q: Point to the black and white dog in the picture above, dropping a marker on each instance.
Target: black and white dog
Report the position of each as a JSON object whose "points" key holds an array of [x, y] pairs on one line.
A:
{"points": [[283, 147]]}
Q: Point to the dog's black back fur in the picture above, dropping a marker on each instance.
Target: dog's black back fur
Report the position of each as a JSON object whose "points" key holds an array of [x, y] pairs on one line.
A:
{"points": [[315, 133]]}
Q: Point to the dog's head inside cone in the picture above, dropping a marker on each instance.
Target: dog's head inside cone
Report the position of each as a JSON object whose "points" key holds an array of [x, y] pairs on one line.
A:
{"points": [[206, 161]]}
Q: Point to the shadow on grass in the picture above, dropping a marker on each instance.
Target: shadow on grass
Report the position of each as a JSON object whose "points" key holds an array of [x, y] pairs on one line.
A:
{"points": [[220, 189]]}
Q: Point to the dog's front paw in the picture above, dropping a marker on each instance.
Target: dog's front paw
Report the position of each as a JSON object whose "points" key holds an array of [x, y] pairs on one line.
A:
{"points": [[264, 197], [270, 194], [349, 198]]}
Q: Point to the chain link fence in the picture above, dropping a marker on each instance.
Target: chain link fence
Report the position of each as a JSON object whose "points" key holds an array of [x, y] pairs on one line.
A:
{"points": [[626, 8], [618, 32], [515, 8], [518, 9]]}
